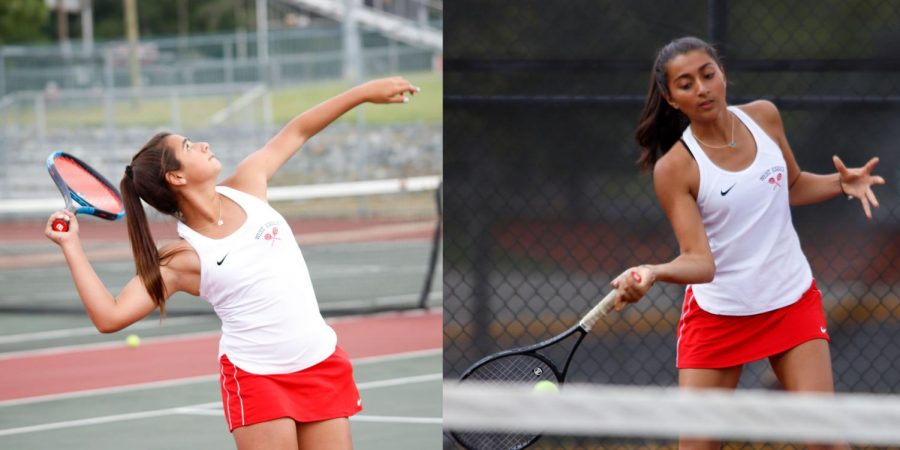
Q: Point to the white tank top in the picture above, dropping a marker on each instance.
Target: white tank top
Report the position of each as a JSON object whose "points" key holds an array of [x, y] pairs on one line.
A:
{"points": [[259, 285], [759, 263]]}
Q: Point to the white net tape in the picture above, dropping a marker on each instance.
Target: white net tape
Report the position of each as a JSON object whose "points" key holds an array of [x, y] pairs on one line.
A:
{"points": [[658, 412]]}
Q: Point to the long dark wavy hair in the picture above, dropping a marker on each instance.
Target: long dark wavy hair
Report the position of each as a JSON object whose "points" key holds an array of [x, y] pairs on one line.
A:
{"points": [[661, 125], [145, 179]]}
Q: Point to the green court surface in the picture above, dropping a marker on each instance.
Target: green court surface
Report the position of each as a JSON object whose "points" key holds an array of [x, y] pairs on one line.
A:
{"points": [[401, 400], [40, 314]]}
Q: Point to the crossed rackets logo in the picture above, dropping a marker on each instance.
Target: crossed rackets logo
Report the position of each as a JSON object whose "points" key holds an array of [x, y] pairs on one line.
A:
{"points": [[268, 232], [272, 236], [775, 181], [773, 177]]}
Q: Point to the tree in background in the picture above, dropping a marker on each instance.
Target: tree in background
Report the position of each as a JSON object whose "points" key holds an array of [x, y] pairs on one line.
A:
{"points": [[23, 21], [173, 17], [29, 21]]}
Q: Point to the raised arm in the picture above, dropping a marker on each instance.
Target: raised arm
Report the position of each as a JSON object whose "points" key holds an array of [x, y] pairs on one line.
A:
{"points": [[676, 179], [254, 172], [110, 314], [806, 188]]}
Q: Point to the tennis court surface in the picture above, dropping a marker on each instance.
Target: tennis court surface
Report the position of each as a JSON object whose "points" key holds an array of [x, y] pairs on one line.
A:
{"points": [[64, 385]]}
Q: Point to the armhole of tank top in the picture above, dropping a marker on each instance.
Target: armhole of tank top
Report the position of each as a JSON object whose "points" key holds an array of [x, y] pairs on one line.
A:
{"points": [[687, 148], [243, 199], [699, 174], [760, 136]]}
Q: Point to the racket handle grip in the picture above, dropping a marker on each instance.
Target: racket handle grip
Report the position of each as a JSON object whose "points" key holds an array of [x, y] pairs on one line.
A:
{"points": [[60, 225], [604, 307]]}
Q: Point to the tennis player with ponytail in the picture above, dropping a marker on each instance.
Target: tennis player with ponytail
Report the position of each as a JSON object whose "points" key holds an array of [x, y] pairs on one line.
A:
{"points": [[285, 384], [726, 178]]}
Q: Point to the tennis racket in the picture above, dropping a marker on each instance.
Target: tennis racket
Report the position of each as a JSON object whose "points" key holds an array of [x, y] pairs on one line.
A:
{"points": [[528, 365], [84, 190]]}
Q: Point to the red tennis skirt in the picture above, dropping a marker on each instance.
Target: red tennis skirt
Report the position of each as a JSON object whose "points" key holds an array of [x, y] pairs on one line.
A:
{"points": [[710, 341], [321, 392]]}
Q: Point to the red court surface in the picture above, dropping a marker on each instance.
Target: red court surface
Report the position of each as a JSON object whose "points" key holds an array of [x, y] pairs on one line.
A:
{"points": [[40, 373]]}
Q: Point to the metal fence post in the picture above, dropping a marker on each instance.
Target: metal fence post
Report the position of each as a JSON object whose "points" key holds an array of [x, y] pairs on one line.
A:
{"points": [[108, 92], [718, 25], [40, 119]]}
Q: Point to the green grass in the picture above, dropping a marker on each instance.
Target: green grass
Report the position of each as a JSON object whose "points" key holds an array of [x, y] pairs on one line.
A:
{"points": [[195, 112], [424, 107], [287, 102]]}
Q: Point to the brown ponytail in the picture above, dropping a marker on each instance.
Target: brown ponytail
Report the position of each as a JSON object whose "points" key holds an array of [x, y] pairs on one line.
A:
{"points": [[145, 180], [661, 125]]}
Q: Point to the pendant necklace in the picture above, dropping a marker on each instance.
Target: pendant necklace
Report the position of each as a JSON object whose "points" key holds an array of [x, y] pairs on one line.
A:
{"points": [[731, 144]]}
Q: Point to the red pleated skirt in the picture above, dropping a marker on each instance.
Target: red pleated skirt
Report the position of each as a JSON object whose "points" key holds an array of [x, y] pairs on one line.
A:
{"points": [[321, 392], [710, 341]]}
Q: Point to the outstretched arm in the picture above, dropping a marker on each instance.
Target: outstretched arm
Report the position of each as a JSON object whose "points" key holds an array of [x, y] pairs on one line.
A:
{"points": [[254, 173], [108, 314], [807, 188]]}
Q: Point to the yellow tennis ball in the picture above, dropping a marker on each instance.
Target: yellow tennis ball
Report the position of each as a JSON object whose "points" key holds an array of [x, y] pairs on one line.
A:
{"points": [[546, 387], [132, 340]]}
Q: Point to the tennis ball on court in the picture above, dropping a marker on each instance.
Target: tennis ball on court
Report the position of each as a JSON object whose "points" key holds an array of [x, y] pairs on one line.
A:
{"points": [[133, 340], [545, 387]]}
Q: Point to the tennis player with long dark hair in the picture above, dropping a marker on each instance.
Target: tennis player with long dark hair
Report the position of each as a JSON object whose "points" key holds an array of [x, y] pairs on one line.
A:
{"points": [[285, 383], [726, 178]]}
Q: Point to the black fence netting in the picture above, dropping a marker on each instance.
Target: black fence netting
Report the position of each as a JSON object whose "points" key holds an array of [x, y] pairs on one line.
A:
{"points": [[545, 203]]}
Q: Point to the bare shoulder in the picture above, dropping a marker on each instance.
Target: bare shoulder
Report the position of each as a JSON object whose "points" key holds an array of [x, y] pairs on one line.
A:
{"points": [[759, 107], [766, 114], [248, 178], [676, 169]]}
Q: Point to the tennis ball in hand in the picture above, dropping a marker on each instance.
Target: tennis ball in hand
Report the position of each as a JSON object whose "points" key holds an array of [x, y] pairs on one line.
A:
{"points": [[545, 387], [132, 340]]}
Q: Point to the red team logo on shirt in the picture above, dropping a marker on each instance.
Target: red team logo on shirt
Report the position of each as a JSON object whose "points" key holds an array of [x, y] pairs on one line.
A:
{"points": [[268, 232], [773, 176]]}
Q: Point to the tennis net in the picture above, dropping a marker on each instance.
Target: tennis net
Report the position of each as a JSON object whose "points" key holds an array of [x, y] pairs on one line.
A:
{"points": [[595, 416], [370, 246]]}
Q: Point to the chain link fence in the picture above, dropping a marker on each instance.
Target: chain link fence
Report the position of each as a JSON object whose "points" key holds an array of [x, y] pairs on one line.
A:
{"points": [[546, 204]]}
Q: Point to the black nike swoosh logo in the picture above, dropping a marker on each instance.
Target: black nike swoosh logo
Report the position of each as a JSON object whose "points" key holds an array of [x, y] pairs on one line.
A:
{"points": [[219, 262], [726, 191]]}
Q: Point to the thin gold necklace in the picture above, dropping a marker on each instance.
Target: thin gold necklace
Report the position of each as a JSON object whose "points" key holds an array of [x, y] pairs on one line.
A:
{"points": [[731, 144], [220, 222]]}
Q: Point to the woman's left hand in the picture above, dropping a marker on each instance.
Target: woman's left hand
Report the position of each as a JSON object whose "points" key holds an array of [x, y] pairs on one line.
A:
{"points": [[388, 90], [857, 182]]}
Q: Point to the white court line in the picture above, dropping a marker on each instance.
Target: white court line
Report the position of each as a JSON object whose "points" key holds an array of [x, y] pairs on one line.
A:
{"points": [[91, 421], [105, 345], [399, 381], [398, 419], [396, 356], [202, 409], [393, 300], [414, 312], [191, 380], [358, 418], [83, 331], [112, 345], [86, 331]]}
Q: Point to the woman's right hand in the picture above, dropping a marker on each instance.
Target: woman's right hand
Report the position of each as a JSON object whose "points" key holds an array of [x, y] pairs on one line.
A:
{"points": [[388, 90], [632, 284], [62, 238]]}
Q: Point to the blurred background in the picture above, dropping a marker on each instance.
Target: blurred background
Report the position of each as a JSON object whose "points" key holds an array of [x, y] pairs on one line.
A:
{"points": [[97, 78], [546, 203]]}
